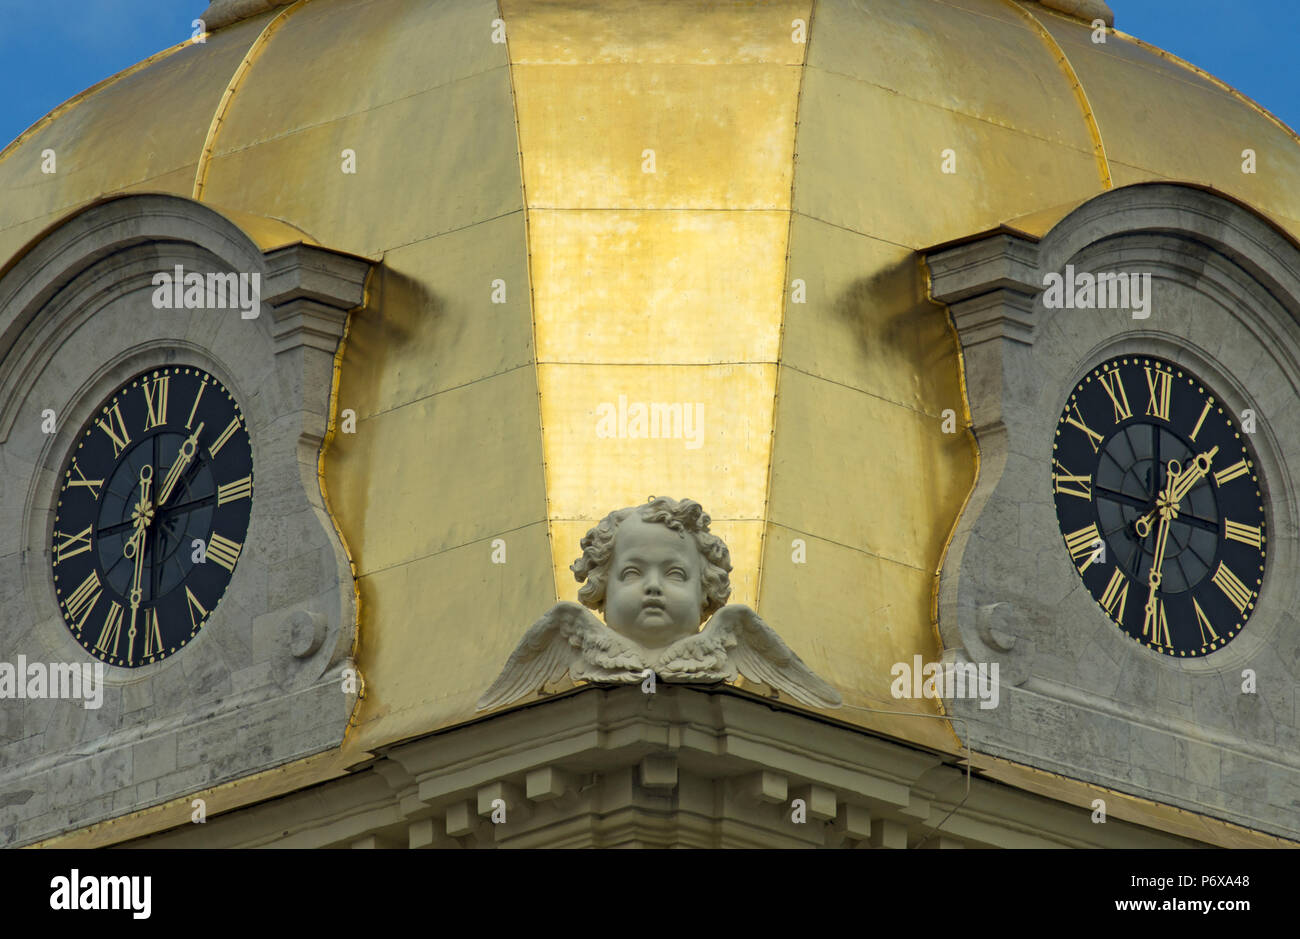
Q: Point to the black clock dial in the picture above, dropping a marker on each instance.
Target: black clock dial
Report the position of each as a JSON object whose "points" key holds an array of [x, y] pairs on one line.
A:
{"points": [[152, 515], [1158, 497]]}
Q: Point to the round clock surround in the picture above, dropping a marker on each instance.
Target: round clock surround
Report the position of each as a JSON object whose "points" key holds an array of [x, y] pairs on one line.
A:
{"points": [[1159, 499], [153, 509]]}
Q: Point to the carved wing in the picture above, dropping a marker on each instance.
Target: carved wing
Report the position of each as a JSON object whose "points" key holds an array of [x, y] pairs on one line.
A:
{"points": [[568, 638], [735, 642]]}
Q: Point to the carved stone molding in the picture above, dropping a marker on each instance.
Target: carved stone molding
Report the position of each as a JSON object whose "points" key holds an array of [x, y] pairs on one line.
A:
{"points": [[683, 767]]}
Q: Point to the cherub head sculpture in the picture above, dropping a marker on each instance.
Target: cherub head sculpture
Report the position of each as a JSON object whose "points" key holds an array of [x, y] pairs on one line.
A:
{"points": [[654, 570], [656, 573]]}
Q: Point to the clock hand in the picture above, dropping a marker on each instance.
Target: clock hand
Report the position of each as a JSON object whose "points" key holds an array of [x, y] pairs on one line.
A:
{"points": [[1168, 510], [1143, 524], [1155, 576], [188, 449], [134, 549], [1200, 467]]}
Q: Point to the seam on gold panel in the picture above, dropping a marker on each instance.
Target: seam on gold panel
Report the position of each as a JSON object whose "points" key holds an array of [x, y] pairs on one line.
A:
{"points": [[785, 302], [82, 96], [532, 308], [1221, 85], [218, 117], [1090, 119]]}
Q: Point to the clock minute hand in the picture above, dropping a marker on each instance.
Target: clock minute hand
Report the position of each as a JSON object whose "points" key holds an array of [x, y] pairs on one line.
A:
{"points": [[1200, 467], [1167, 507], [1155, 576], [188, 449], [134, 550]]}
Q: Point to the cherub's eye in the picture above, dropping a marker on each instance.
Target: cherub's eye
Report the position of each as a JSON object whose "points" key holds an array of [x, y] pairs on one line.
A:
{"points": [[677, 573], [628, 572]]}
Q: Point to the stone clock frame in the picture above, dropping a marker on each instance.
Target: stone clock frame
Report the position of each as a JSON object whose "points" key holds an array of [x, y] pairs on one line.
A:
{"points": [[1079, 697], [261, 683]]}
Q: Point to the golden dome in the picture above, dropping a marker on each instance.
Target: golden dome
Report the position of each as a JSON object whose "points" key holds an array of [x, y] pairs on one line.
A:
{"points": [[680, 202]]}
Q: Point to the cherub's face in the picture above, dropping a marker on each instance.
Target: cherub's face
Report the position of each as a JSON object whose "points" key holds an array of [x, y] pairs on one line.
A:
{"points": [[655, 591]]}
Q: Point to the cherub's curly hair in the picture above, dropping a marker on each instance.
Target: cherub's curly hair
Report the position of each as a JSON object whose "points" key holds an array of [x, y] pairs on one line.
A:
{"points": [[686, 516]]}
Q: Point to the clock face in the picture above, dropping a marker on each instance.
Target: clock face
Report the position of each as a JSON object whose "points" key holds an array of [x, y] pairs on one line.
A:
{"points": [[1158, 496], [152, 513]]}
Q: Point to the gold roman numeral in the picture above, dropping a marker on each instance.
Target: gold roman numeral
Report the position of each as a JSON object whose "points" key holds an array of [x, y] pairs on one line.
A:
{"points": [[94, 485], [1159, 385], [1114, 386], [1230, 473], [155, 401], [112, 631], [1094, 438], [239, 489], [1201, 420], [1116, 594], [1083, 544], [152, 633], [203, 384], [1203, 622], [220, 442], [1246, 534], [113, 427], [1238, 593], [224, 551], [83, 599], [1156, 624], [72, 545], [1064, 481], [193, 603]]}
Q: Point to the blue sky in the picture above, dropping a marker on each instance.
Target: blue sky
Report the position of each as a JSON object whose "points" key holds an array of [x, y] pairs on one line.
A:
{"points": [[52, 49]]}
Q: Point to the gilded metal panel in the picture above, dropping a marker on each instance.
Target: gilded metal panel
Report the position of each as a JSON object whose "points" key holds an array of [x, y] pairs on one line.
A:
{"points": [[386, 50], [413, 178], [984, 62], [592, 470], [709, 90], [443, 471], [432, 325], [436, 645], [721, 136], [696, 32], [232, 87], [876, 168], [1085, 108], [1182, 126], [850, 616], [657, 287], [863, 472], [866, 322]]}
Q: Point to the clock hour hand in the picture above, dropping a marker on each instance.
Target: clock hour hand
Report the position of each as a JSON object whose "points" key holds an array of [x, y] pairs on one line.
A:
{"points": [[188, 449]]}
